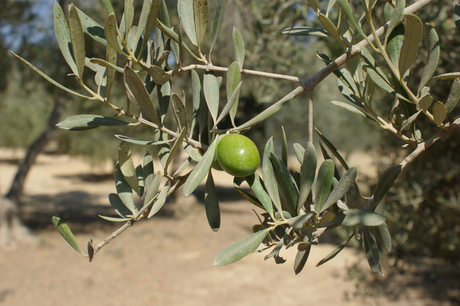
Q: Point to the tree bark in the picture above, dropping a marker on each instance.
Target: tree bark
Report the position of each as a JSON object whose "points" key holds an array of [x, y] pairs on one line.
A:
{"points": [[12, 229]]}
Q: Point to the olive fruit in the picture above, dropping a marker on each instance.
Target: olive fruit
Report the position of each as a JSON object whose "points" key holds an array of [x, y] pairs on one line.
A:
{"points": [[237, 155]]}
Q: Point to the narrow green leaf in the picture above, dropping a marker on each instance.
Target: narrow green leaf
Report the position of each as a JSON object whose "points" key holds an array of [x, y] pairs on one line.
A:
{"points": [[284, 147], [299, 152], [147, 25], [301, 257], [164, 99], [186, 14], [353, 108], [201, 170], [307, 174], [257, 186], [425, 102], [108, 6], [395, 17], [305, 31], [376, 74], [233, 84], [118, 205], [299, 222], [158, 75], [211, 94], [323, 184], [90, 250], [114, 219], [357, 216], [382, 236], [125, 160], [196, 100], [248, 196], [136, 88], [241, 248], [111, 33], [88, 121], [147, 169], [128, 16], [439, 112], [152, 189], [276, 250], [433, 49], [171, 34], [229, 106], [412, 38], [286, 183], [454, 96], [92, 28], [345, 183], [372, 252], [217, 25], [211, 203], [386, 181], [164, 148], [238, 47], [330, 28], [62, 31], [269, 175], [394, 44], [270, 111], [174, 149], [336, 251], [66, 233], [142, 142], [179, 112], [107, 64], [78, 40], [349, 13], [160, 201], [200, 12], [124, 190], [448, 76], [140, 180]]}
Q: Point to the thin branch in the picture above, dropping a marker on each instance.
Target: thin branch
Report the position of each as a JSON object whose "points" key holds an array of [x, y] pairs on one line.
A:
{"points": [[243, 71], [311, 82], [421, 147]]}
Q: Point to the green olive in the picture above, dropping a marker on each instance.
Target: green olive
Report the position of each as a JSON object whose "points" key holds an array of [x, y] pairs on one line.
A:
{"points": [[237, 155]]}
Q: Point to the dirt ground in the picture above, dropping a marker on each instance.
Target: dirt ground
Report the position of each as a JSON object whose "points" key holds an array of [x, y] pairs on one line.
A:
{"points": [[167, 260]]}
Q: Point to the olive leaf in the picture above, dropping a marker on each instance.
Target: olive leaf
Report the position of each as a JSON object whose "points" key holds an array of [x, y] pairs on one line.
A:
{"points": [[211, 203], [241, 248], [211, 94], [238, 47], [200, 12], [125, 161], [323, 184], [78, 40], [186, 14], [217, 25], [66, 233], [307, 174], [88, 121], [412, 38], [201, 170]]}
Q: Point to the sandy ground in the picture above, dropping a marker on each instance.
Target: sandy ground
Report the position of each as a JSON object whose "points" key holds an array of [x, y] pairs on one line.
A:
{"points": [[161, 261]]}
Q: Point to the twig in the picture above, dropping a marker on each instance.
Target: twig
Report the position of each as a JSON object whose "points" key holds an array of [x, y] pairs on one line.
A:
{"points": [[421, 147], [311, 82], [243, 71]]}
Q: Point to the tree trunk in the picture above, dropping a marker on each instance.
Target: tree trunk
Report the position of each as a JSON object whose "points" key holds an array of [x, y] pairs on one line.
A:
{"points": [[12, 230]]}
